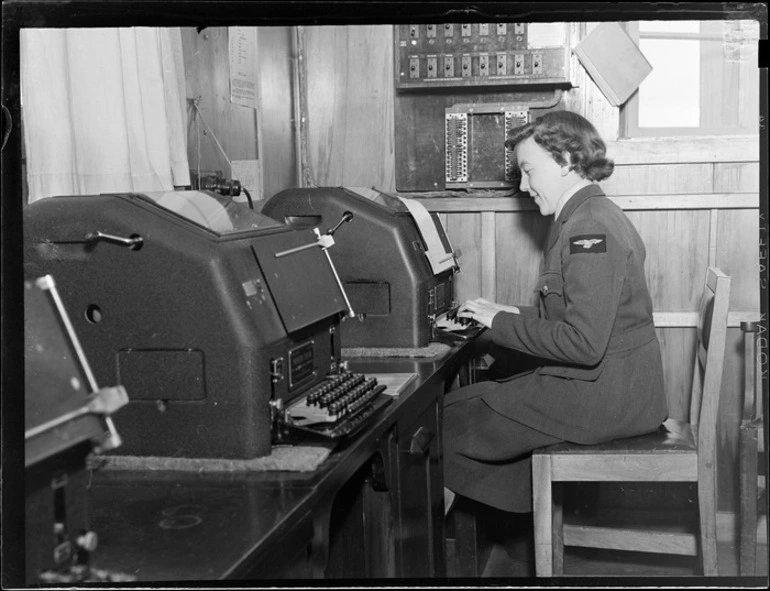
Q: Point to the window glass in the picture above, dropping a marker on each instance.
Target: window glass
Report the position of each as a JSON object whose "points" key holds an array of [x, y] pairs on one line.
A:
{"points": [[670, 95], [704, 79]]}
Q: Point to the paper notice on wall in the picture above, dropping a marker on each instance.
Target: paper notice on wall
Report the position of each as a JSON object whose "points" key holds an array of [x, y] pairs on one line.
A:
{"points": [[441, 257], [541, 35], [243, 66], [249, 174]]}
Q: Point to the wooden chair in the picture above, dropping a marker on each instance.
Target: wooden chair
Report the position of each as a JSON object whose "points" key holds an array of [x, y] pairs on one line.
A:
{"points": [[678, 452], [751, 447]]}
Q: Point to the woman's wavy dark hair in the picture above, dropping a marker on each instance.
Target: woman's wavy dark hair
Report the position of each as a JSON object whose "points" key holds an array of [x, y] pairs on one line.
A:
{"points": [[565, 131]]}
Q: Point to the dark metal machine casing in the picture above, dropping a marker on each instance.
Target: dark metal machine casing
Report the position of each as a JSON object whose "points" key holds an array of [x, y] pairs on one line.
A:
{"points": [[66, 417], [380, 258], [179, 297]]}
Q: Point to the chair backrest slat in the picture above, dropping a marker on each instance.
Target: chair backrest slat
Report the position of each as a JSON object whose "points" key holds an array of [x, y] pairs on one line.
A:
{"points": [[712, 336], [752, 399]]}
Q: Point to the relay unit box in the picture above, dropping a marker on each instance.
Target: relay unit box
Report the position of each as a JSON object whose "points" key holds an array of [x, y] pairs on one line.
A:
{"points": [[481, 54], [474, 140]]}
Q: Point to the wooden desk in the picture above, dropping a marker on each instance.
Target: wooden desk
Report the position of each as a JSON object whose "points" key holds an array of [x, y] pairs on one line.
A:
{"points": [[374, 508]]}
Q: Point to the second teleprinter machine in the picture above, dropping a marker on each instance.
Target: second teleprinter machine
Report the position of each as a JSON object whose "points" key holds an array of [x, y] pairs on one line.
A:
{"points": [[394, 259]]}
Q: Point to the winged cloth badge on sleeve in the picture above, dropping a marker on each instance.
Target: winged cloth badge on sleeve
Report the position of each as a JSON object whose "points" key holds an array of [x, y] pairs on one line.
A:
{"points": [[588, 243]]}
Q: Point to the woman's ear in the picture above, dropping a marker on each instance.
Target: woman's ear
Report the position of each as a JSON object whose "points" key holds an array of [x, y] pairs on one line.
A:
{"points": [[567, 167]]}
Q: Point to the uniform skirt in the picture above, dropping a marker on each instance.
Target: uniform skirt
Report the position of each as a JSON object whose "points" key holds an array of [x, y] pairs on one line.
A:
{"points": [[487, 456]]}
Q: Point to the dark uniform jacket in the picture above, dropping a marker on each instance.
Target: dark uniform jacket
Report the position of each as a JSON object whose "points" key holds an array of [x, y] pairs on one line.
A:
{"points": [[602, 377]]}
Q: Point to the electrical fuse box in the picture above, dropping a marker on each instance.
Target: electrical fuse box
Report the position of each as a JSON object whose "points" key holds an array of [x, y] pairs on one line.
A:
{"points": [[481, 54]]}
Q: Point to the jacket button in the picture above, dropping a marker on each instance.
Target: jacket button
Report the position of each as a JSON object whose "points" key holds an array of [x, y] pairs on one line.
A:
{"points": [[545, 289]]}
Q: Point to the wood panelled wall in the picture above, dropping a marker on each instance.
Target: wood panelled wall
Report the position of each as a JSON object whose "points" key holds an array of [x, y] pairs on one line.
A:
{"points": [[350, 130], [694, 201], [267, 134]]}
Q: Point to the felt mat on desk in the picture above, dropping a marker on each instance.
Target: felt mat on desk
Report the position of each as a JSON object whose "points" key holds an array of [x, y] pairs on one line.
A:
{"points": [[432, 350], [286, 458]]}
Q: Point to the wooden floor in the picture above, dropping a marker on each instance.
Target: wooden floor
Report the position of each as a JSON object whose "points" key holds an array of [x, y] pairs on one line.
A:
{"points": [[512, 556]]}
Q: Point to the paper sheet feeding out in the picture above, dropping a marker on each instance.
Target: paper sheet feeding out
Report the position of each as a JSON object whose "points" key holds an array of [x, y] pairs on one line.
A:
{"points": [[439, 257]]}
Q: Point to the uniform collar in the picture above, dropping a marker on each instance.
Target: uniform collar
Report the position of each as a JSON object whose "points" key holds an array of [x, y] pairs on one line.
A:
{"points": [[592, 190]]}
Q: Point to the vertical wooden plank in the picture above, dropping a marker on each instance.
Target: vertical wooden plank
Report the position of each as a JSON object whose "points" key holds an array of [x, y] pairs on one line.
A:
{"points": [[713, 241], [677, 349], [488, 258], [464, 231], [520, 240], [542, 506], [677, 256], [350, 105], [738, 255], [729, 419], [748, 89], [276, 103], [557, 527]]}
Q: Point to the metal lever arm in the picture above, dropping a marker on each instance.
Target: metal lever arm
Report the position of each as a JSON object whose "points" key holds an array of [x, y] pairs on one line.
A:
{"points": [[346, 217], [104, 402], [351, 313], [130, 242]]}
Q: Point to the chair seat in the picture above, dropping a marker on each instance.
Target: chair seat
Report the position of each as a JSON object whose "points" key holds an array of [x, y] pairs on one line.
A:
{"points": [[676, 452], [671, 437]]}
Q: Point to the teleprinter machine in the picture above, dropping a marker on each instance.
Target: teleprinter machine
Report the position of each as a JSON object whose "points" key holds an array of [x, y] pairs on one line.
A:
{"points": [[221, 323], [394, 259]]}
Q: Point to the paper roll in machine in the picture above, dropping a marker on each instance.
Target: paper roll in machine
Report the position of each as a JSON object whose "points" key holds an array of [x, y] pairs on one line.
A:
{"points": [[217, 320], [394, 259]]}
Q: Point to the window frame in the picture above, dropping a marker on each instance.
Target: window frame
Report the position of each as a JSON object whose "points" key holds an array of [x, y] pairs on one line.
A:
{"points": [[629, 112]]}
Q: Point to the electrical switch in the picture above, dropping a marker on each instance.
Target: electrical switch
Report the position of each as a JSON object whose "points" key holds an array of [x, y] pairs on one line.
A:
{"points": [[537, 64]]}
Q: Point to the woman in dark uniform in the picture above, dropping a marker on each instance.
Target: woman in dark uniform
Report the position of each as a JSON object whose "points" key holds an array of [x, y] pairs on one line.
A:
{"points": [[599, 374]]}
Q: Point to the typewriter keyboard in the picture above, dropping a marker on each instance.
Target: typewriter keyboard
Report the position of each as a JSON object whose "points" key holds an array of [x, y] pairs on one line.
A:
{"points": [[337, 398]]}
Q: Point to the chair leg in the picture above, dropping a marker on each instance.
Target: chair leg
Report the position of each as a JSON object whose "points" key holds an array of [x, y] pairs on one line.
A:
{"points": [[466, 540], [748, 502], [557, 529], [708, 525], [542, 514]]}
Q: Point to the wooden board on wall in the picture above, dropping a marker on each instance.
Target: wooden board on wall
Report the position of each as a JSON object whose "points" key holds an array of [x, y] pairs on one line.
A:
{"points": [[677, 349], [520, 240], [737, 177], [350, 105], [279, 154], [464, 231], [737, 254], [207, 71], [677, 244], [669, 179]]}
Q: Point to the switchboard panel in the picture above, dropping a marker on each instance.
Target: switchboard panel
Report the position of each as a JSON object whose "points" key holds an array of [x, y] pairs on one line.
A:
{"points": [[481, 54], [474, 140]]}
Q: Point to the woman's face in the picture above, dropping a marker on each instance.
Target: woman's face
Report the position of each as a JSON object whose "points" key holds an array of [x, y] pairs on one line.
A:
{"points": [[541, 176]]}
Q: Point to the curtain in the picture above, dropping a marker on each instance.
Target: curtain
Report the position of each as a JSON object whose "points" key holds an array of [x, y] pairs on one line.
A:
{"points": [[103, 110]]}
